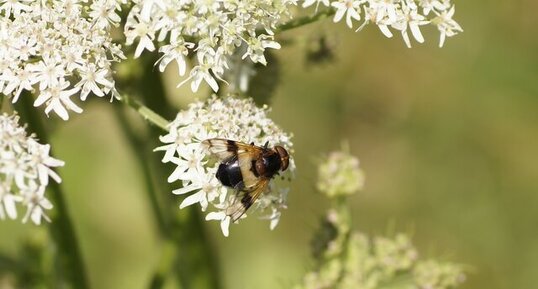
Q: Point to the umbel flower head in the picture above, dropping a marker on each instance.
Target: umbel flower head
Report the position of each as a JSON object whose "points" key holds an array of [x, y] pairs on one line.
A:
{"points": [[405, 16], [339, 174], [25, 168], [229, 118], [58, 50], [210, 30], [350, 259]]}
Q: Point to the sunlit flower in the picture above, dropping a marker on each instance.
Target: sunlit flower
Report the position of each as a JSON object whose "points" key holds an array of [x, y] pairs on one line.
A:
{"points": [[446, 25], [217, 30], [396, 14], [230, 118], [25, 169], [351, 8], [308, 3], [409, 17], [57, 49]]}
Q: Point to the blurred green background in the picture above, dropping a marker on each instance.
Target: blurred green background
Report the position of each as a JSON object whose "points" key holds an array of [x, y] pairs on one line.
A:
{"points": [[448, 139]]}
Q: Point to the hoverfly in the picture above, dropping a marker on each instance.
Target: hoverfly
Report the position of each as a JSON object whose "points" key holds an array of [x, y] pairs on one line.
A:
{"points": [[247, 168]]}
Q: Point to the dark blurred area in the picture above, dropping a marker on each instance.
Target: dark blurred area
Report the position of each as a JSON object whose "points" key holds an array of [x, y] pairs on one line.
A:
{"points": [[448, 139]]}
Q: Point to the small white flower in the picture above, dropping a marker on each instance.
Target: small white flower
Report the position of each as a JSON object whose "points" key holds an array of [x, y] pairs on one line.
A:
{"points": [[224, 221], [351, 8], [431, 5], [409, 17], [370, 16], [25, 168], [103, 13], [8, 201], [446, 25], [257, 46], [177, 51], [199, 73], [57, 99], [308, 3], [141, 30], [91, 77], [231, 118]]}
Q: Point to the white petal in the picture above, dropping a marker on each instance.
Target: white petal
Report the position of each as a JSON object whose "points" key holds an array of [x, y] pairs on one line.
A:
{"points": [[186, 189], [192, 199], [224, 226], [385, 30], [36, 215], [9, 204], [215, 216], [415, 30], [442, 38], [212, 82], [58, 109], [406, 38], [339, 14]]}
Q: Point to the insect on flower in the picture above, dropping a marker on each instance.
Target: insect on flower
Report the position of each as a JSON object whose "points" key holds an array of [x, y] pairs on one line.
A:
{"points": [[247, 169]]}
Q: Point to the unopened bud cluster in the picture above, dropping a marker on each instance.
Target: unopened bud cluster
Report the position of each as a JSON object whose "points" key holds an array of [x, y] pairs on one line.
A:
{"points": [[339, 174]]}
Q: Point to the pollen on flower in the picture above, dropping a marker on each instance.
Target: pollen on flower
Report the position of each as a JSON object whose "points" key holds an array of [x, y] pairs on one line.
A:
{"points": [[230, 118], [25, 168], [57, 50]]}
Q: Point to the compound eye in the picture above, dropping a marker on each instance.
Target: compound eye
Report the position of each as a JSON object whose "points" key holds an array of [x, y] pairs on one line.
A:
{"points": [[284, 157]]}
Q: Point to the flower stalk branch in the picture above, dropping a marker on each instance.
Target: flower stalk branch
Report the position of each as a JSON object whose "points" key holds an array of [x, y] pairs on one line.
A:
{"points": [[302, 21], [146, 113]]}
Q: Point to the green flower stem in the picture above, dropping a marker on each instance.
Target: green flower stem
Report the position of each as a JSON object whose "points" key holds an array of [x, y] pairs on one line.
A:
{"points": [[162, 223], [166, 261], [192, 257], [165, 228], [61, 227], [295, 23], [146, 113]]}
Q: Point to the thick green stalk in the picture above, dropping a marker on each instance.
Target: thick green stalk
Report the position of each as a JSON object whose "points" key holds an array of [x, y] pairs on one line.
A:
{"points": [[137, 144], [195, 262], [61, 227], [169, 251]]}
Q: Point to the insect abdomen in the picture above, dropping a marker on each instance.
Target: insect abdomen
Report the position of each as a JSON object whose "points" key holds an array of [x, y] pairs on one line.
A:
{"points": [[229, 174]]}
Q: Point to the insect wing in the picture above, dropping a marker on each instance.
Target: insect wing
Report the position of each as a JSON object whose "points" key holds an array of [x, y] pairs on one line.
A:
{"points": [[225, 148], [244, 199], [246, 155]]}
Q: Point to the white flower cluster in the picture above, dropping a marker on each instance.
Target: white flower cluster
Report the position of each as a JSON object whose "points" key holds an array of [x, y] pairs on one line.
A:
{"points": [[62, 48], [25, 168], [401, 15], [210, 30], [229, 118]]}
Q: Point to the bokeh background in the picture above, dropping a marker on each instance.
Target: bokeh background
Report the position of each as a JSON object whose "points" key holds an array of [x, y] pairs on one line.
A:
{"points": [[448, 139]]}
